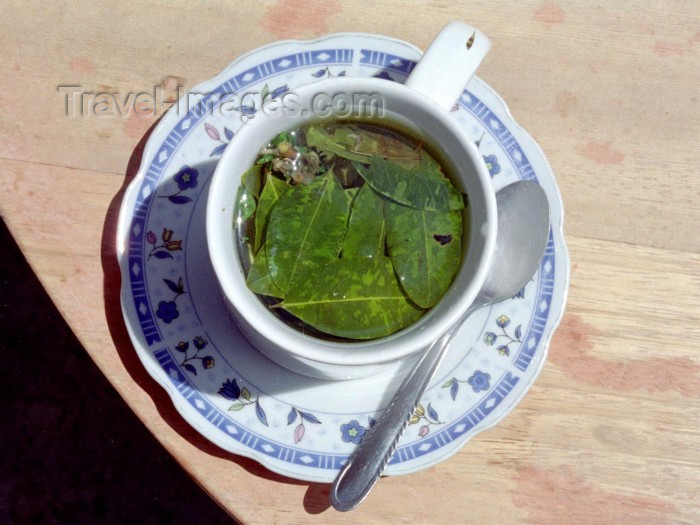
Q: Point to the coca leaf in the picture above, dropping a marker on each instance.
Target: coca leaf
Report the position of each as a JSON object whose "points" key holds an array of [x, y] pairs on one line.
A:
{"points": [[306, 226], [423, 188], [251, 180], [365, 236], [359, 144], [425, 266], [353, 297], [272, 190], [247, 193], [245, 204], [258, 279], [350, 194]]}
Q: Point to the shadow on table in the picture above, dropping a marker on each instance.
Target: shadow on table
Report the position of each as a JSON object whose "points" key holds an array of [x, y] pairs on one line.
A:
{"points": [[316, 497], [71, 451]]}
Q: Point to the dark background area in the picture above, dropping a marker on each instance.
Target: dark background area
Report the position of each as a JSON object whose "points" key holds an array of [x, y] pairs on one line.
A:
{"points": [[71, 451]]}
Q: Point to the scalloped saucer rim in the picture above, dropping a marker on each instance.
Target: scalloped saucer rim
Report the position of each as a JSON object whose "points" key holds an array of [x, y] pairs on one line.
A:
{"points": [[172, 119]]}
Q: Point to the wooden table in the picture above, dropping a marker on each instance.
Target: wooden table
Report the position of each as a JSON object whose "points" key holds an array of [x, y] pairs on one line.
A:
{"points": [[610, 432]]}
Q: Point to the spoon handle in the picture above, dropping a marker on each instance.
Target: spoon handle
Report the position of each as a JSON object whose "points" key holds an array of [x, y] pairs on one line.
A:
{"points": [[364, 467]]}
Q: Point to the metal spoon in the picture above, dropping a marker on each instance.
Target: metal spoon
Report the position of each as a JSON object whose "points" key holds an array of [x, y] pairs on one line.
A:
{"points": [[523, 230]]}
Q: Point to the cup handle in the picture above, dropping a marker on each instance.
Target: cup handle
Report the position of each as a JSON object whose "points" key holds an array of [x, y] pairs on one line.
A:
{"points": [[449, 63]]}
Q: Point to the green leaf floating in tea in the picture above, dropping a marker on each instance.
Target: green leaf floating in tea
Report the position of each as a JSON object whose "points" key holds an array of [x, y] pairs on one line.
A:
{"points": [[251, 181], [365, 236], [422, 187], [350, 194], [306, 227], [357, 144], [258, 278], [425, 248], [247, 193], [341, 143], [353, 297], [360, 245], [272, 191]]}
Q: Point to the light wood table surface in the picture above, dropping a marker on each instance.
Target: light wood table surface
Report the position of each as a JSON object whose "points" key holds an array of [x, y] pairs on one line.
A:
{"points": [[610, 433]]}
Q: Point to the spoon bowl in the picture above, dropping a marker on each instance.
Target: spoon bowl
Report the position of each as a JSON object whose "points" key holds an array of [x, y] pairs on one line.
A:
{"points": [[523, 222]]}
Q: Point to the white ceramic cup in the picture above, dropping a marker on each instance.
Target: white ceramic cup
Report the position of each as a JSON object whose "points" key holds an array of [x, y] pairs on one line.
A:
{"points": [[421, 106]]}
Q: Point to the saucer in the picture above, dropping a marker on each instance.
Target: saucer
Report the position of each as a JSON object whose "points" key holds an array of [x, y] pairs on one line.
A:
{"points": [[294, 425]]}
